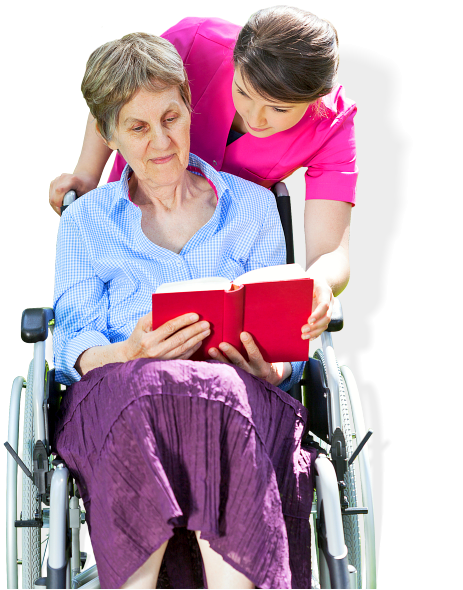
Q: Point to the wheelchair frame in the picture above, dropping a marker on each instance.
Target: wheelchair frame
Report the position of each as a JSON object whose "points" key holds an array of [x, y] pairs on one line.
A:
{"points": [[54, 486]]}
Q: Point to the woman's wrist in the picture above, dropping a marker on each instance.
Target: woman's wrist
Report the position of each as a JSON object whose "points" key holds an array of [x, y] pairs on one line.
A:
{"points": [[279, 372], [98, 356]]}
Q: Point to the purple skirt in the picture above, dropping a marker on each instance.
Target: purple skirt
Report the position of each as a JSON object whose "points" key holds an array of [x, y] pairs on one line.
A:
{"points": [[159, 448]]}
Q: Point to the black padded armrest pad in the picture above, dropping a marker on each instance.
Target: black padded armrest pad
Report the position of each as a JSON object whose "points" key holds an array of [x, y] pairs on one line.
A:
{"points": [[337, 320], [34, 324]]}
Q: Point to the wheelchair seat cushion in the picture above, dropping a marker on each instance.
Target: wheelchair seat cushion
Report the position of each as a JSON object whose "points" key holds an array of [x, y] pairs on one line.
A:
{"points": [[158, 447]]}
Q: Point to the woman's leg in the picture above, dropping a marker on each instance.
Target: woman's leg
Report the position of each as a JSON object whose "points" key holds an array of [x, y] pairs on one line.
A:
{"points": [[146, 575], [219, 573]]}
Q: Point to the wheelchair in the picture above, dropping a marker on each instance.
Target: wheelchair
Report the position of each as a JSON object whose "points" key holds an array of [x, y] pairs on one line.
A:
{"points": [[342, 518]]}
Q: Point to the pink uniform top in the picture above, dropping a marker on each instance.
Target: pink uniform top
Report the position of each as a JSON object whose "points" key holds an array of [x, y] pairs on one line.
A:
{"points": [[322, 142]]}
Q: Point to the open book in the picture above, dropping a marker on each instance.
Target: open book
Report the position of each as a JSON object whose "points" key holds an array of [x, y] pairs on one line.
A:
{"points": [[271, 303]]}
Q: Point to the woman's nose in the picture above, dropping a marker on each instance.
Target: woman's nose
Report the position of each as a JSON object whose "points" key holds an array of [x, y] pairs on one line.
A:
{"points": [[159, 139], [257, 118]]}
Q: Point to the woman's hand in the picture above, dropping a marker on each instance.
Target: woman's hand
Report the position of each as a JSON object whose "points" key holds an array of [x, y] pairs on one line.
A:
{"points": [[322, 306], [81, 183], [177, 339], [274, 373]]}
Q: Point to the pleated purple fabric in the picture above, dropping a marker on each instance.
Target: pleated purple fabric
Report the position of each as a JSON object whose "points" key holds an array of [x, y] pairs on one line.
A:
{"points": [[161, 447]]}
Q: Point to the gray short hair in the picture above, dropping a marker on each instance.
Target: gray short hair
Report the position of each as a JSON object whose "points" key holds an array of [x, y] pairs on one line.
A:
{"points": [[118, 69]]}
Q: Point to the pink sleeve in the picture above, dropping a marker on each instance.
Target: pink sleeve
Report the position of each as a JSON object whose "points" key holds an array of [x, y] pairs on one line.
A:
{"points": [[182, 35], [332, 172]]}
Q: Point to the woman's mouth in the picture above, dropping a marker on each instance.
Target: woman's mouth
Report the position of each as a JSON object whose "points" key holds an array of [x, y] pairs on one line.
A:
{"points": [[163, 160], [257, 128]]}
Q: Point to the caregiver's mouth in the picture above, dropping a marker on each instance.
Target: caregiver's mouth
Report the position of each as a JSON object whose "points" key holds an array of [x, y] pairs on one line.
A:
{"points": [[163, 160]]}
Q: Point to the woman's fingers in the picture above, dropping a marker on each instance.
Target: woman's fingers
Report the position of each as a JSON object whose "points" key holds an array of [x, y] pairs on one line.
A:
{"points": [[217, 355], [174, 339], [320, 317], [234, 356], [181, 334], [253, 352], [318, 321], [255, 364]]}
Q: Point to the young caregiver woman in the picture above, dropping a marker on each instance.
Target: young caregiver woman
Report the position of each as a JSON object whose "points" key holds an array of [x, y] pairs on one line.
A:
{"points": [[265, 103]]}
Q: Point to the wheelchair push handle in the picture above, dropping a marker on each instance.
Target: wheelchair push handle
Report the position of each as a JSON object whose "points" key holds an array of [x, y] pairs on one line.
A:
{"points": [[69, 198]]}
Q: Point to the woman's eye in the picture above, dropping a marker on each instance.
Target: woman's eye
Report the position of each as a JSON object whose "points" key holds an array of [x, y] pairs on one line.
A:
{"points": [[140, 128], [277, 110]]}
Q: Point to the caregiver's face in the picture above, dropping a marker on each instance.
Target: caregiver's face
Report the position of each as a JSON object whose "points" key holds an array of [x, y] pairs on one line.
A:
{"points": [[153, 135], [261, 116]]}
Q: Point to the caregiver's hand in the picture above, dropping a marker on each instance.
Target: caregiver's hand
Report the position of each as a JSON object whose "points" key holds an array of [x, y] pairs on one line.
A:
{"points": [[177, 339], [274, 373], [81, 183], [322, 306]]}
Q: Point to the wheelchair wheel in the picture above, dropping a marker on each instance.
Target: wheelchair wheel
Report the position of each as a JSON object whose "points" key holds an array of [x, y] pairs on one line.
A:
{"points": [[31, 567], [350, 523]]}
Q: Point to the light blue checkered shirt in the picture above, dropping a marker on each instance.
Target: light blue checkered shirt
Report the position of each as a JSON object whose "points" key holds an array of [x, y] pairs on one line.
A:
{"points": [[107, 269]]}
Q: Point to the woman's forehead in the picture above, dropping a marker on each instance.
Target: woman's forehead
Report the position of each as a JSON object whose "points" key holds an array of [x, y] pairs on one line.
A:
{"points": [[151, 103]]}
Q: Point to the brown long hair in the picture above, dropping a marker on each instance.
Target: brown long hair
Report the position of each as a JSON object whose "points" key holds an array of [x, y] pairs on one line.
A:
{"points": [[288, 54]]}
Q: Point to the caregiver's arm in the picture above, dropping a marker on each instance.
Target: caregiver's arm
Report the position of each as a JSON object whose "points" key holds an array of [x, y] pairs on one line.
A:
{"points": [[327, 226], [94, 154], [88, 171]]}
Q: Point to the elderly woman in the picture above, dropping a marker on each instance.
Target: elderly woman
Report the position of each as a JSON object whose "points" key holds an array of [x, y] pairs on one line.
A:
{"points": [[160, 444]]}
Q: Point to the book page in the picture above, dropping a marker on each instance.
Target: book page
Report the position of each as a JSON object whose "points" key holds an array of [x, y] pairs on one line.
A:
{"points": [[282, 272], [204, 284]]}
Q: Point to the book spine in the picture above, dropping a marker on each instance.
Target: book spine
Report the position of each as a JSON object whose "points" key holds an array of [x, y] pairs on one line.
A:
{"points": [[233, 315]]}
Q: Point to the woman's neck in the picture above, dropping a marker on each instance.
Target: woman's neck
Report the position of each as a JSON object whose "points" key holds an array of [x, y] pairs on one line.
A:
{"points": [[169, 197], [238, 123]]}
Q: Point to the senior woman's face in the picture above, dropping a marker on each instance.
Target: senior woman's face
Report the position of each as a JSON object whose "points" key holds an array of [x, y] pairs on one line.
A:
{"points": [[261, 116], [153, 135]]}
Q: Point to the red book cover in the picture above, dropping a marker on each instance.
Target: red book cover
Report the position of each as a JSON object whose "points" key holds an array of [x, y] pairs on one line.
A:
{"points": [[272, 312]]}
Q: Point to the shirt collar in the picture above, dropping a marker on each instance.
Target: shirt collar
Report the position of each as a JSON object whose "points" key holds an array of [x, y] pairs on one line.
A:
{"points": [[195, 165]]}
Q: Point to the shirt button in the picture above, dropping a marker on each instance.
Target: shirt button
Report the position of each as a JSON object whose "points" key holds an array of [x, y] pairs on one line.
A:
{"points": [[179, 263], [214, 162]]}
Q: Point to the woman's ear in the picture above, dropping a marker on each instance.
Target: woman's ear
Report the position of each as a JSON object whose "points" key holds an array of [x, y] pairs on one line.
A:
{"points": [[111, 144]]}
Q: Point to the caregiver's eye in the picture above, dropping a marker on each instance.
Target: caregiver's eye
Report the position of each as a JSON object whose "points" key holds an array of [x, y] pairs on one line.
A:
{"points": [[274, 108]]}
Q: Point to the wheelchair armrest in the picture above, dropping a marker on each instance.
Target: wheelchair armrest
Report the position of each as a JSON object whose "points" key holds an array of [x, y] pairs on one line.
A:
{"points": [[337, 320], [34, 324]]}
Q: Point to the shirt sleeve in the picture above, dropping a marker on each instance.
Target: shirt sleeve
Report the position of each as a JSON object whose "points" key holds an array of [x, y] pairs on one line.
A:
{"points": [[295, 377], [80, 302], [332, 172]]}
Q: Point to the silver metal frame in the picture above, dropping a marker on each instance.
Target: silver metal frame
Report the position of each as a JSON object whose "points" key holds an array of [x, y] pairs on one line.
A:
{"points": [[365, 479], [12, 486]]}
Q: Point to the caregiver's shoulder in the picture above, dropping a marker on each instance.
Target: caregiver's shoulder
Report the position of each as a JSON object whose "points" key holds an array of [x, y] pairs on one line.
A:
{"points": [[213, 29]]}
